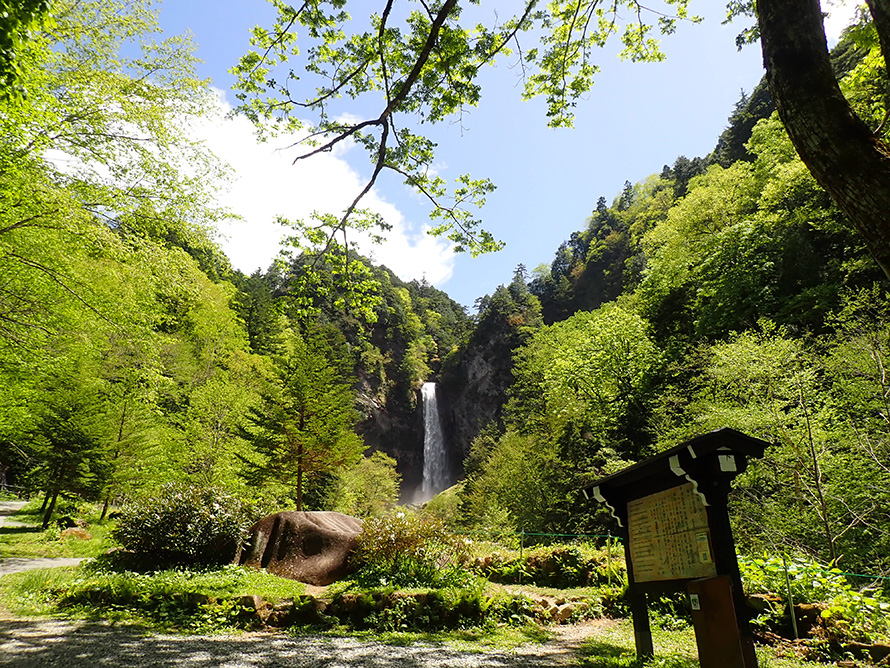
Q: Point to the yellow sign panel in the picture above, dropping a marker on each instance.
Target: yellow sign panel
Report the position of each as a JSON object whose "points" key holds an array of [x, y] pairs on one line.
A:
{"points": [[669, 536]]}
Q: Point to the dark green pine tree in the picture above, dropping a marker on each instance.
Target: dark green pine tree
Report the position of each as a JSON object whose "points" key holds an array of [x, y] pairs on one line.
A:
{"points": [[304, 425], [65, 443]]}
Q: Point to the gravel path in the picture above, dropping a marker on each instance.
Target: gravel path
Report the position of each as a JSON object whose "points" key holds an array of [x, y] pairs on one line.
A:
{"points": [[64, 644], [7, 508]]}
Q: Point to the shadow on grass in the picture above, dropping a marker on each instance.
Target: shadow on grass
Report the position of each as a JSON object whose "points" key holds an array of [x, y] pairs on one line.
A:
{"points": [[13, 530], [598, 654]]}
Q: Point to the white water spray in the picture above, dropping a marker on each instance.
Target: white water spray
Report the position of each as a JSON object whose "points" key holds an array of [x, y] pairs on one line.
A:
{"points": [[435, 465]]}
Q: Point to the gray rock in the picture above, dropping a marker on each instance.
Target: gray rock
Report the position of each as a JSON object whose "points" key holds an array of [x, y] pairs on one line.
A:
{"points": [[564, 612], [310, 547]]}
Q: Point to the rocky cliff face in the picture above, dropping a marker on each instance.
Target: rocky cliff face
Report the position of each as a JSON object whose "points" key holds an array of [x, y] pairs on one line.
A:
{"points": [[473, 382], [475, 392], [395, 428]]}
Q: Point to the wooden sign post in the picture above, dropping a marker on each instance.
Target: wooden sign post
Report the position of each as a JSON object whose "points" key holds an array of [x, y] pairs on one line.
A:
{"points": [[672, 509]]}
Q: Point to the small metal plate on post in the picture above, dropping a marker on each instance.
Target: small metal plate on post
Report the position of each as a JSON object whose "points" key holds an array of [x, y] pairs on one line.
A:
{"points": [[694, 602]]}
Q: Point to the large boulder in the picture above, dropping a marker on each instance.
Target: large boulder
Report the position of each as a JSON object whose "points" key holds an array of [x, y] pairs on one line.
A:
{"points": [[311, 547]]}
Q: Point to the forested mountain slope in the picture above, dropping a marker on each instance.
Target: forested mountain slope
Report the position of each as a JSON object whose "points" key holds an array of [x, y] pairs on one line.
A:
{"points": [[131, 354], [725, 291]]}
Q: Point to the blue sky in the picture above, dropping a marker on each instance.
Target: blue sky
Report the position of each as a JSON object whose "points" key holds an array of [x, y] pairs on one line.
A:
{"points": [[637, 118]]}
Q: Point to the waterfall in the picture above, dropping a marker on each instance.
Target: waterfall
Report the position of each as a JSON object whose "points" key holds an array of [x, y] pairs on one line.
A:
{"points": [[435, 465]]}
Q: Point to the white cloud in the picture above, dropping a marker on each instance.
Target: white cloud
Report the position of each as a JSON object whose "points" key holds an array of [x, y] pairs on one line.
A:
{"points": [[267, 184], [840, 15]]}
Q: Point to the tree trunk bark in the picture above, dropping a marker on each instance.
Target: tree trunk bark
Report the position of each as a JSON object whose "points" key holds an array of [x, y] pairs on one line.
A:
{"points": [[49, 510], [105, 506], [300, 477], [841, 152]]}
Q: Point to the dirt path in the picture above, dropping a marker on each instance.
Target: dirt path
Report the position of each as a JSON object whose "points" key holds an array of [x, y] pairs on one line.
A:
{"points": [[8, 508]]}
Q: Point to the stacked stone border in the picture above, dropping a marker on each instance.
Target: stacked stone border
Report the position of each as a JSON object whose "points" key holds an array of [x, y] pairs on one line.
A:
{"points": [[423, 611]]}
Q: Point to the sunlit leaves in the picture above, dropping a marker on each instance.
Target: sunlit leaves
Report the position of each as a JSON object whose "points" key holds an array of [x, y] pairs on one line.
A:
{"points": [[574, 28], [416, 66], [303, 426], [17, 21], [323, 268], [593, 369]]}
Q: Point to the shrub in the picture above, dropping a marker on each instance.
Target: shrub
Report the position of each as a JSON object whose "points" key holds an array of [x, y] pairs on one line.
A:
{"points": [[846, 612], [404, 550], [560, 565], [184, 525], [369, 488], [445, 506]]}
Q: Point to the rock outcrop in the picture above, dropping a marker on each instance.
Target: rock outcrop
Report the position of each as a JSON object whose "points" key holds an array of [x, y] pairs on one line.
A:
{"points": [[311, 547]]}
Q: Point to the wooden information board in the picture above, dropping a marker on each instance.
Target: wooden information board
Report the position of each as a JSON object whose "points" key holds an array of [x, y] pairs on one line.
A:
{"points": [[669, 536]]}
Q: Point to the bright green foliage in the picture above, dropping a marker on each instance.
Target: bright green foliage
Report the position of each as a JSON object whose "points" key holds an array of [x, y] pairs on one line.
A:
{"points": [[445, 506], [746, 303], [17, 18], [578, 408], [112, 283], [574, 29], [303, 426], [183, 525], [421, 65], [98, 144], [811, 488], [749, 241], [848, 612], [564, 566], [864, 86], [406, 550], [513, 478], [367, 489], [324, 270], [587, 377]]}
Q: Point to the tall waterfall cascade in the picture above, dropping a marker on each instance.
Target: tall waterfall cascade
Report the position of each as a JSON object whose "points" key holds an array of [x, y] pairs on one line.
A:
{"points": [[435, 462]]}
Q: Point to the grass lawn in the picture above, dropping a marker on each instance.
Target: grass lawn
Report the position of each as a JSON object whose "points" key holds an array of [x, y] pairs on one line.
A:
{"points": [[597, 643], [611, 645], [601, 643], [30, 541]]}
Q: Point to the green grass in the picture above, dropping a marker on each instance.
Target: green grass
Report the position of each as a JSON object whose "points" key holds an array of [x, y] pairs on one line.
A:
{"points": [[612, 646], [161, 601], [224, 582], [39, 592], [32, 542], [34, 593]]}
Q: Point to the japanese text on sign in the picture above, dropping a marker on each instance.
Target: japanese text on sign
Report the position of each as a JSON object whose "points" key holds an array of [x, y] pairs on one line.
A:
{"points": [[669, 536]]}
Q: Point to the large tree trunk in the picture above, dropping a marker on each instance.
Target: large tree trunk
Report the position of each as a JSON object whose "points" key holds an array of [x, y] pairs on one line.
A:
{"points": [[840, 151]]}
